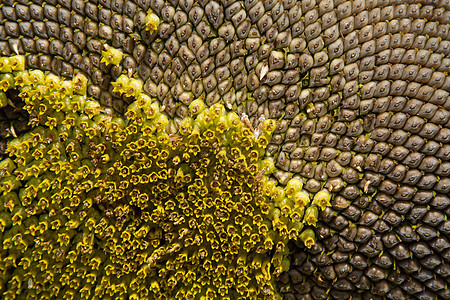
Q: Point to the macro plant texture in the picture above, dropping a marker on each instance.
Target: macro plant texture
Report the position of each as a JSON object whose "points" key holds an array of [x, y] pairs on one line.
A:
{"points": [[99, 205], [294, 149]]}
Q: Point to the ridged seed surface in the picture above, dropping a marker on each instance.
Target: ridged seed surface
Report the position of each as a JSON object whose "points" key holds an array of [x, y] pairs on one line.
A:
{"points": [[360, 90]]}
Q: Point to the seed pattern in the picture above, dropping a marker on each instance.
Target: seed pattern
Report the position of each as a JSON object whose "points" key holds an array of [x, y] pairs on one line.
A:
{"points": [[359, 90], [142, 207]]}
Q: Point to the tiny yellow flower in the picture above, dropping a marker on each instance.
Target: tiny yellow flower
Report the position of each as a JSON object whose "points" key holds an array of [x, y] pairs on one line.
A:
{"points": [[152, 22], [308, 238], [322, 199], [111, 56]]}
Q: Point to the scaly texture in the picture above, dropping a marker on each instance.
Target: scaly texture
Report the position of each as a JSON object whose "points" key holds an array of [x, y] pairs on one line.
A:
{"points": [[96, 204], [359, 89]]}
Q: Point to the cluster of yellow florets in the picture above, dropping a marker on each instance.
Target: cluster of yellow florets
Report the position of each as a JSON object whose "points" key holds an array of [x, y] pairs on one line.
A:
{"points": [[98, 205]]}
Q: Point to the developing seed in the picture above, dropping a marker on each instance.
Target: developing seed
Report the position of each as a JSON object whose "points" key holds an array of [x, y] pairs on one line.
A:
{"points": [[196, 14], [429, 130], [430, 148], [367, 63], [277, 11], [215, 14], [312, 31]]}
